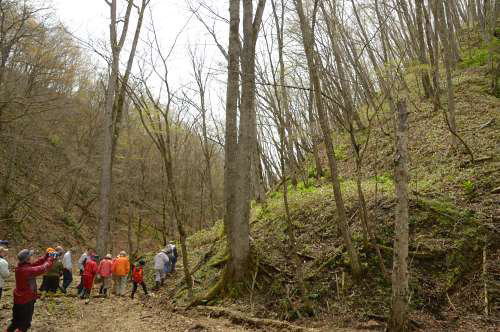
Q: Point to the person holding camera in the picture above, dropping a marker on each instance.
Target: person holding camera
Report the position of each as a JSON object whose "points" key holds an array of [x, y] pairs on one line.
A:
{"points": [[4, 268], [25, 293], [50, 283]]}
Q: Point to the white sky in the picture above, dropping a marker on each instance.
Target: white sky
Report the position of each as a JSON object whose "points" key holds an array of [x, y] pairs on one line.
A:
{"points": [[89, 20]]}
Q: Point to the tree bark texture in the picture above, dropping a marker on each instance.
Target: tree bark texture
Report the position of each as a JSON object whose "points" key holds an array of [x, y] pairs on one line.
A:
{"points": [[399, 311]]}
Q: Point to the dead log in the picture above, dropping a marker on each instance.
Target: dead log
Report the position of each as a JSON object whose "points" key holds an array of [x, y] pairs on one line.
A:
{"points": [[238, 317]]}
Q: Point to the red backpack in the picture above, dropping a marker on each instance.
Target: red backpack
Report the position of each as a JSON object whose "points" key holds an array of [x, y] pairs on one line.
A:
{"points": [[137, 274]]}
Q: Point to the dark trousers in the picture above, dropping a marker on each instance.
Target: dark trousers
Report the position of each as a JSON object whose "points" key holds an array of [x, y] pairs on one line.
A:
{"points": [[174, 262], [67, 279], [134, 288], [1, 290], [22, 314], [43, 286], [51, 283]]}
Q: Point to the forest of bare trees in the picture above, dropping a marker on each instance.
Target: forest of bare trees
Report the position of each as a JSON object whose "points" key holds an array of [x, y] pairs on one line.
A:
{"points": [[99, 139]]}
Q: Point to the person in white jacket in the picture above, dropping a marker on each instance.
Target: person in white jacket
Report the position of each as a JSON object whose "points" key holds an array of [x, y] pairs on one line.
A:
{"points": [[161, 259], [4, 269], [67, 269]]}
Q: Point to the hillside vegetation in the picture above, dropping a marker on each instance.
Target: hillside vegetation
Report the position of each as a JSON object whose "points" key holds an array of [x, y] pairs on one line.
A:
{"points": [[454, 223]]}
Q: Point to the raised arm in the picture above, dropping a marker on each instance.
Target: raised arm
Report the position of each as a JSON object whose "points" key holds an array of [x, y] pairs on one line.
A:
{"points": [[37, 270], [40, 261]]}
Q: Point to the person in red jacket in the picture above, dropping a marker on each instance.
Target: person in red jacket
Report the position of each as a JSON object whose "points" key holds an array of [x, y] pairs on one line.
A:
{"points": [[25, 293], [138, 278], [89, 273]]}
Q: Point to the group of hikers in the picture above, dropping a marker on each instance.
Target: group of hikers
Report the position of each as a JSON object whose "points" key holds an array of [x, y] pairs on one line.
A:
{"points": [[109, 272]]}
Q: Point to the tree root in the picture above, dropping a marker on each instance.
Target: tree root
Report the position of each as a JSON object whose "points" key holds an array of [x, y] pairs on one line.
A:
{"points": [[212, 294], [237, 317]]}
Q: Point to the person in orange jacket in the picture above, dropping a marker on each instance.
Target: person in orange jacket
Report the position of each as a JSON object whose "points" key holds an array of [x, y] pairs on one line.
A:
{"points": [[120, 269], [138, 278]]}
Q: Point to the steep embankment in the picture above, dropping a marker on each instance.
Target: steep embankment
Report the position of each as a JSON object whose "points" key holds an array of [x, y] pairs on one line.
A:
{"points": [[454, 222]]}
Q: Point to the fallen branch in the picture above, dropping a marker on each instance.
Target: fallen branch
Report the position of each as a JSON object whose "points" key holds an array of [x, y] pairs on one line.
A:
{"points": [[238, 317], [476, 161]]}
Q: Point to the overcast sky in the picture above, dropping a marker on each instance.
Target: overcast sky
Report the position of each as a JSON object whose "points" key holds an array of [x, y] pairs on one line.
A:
{"points": [[89, 20]]}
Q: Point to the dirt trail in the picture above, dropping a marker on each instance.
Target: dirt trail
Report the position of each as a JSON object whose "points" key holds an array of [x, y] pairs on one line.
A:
{"points": [[115, 314], [119, 314], [70, 314]]}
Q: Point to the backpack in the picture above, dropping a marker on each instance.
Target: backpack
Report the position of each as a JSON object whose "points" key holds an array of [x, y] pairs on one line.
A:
{"points": [[137, 274]]}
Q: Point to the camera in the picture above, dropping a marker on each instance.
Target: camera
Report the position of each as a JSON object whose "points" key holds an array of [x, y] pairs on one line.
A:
{"points": [[54, 254]]}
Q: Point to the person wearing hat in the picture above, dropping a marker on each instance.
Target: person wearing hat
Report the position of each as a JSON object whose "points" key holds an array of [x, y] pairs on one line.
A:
{"points": [[105, 271], [53, 275], [161, 260], [138, 278], [81, 265], [25, 293], [120, 269], [67, 269], [43, 286], [89, 273], [4, 268]]}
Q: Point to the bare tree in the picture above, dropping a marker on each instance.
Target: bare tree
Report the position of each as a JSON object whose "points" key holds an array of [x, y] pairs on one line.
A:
{"points": [[399, 310], [108, 125], [312, 62]]}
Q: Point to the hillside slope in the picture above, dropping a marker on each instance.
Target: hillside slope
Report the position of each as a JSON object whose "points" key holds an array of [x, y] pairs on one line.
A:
{"points": [[454, 223]]}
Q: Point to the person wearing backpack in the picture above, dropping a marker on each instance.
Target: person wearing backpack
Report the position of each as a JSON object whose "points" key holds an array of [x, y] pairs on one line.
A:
{"points": [[161, 261], [138, 278]]}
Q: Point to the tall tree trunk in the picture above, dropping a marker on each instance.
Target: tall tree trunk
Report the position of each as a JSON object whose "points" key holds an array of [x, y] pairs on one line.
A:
{"points": [[472, 13], [231, 134], [433, 45], [316, 139], [480, 15], [237, 175], [448, 61], [398, 321], [106, 162], [312, 58], [451, 30], [238, 266], [426, 82]]}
